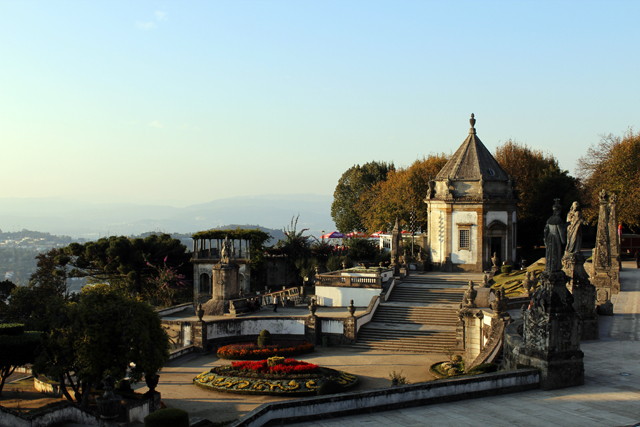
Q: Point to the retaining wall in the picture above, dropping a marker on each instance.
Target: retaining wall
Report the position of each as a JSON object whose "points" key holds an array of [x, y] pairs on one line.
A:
{"points": [[438, 391]]}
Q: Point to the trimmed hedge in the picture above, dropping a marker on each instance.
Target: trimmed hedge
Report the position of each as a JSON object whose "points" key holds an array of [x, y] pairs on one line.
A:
{"points": [[168, 417], [11, 328]]}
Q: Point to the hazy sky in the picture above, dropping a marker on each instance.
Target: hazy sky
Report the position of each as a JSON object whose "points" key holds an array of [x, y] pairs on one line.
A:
{"points": [[180, 103]]}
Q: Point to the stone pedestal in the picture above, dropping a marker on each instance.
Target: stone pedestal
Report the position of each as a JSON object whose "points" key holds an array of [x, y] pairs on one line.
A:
{"points": [[226, 282], [551, 334], [584, 295], [312, 329]]}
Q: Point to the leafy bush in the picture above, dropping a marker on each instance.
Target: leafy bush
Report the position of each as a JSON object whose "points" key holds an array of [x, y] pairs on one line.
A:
{"points": [[168, 417], [382, 257], [361, 249], [334, 263], [505, 269], [400, 379]]}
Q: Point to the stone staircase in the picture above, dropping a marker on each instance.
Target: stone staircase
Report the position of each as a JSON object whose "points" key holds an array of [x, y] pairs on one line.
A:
{"points": [[420, 315]]}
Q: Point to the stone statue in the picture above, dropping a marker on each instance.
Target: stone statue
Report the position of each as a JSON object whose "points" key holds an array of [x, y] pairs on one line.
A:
{"points": [[530, 281], [226, 252], [469, 298], [555, 239], [499, 305], [574, 229], [432, 186], [485, 281]]}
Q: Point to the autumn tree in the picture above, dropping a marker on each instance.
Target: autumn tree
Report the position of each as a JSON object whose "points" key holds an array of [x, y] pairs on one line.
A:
{"points": [[539, 180], [403, 190], [351, 185], [613, 165]]}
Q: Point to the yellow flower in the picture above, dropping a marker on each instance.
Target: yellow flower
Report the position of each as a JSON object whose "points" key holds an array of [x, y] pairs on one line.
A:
{"points": [[311, 385]]}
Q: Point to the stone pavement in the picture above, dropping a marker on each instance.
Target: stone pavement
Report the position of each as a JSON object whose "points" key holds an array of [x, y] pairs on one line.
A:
{"points": [[609, 397]]}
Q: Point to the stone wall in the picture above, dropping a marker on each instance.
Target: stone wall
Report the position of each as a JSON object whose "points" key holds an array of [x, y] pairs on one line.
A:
{"points": [[439, 391]]}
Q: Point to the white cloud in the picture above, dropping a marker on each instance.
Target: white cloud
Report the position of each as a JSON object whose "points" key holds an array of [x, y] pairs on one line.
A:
{"points": [[146, 25], [161, 16], [156, 124]]}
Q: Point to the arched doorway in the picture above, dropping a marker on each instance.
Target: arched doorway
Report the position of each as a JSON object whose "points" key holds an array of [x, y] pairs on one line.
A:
{"points": [[205, 284]]}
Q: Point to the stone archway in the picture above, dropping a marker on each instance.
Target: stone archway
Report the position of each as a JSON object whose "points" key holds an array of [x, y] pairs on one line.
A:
{"points": [[205, 284], [496, 239]]}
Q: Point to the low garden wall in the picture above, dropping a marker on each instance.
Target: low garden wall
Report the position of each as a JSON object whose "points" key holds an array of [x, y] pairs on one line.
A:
{"points": [[439, 391], [206, 336], [48, 417]]}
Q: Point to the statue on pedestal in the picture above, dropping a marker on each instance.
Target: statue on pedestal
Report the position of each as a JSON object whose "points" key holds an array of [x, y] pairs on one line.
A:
{"points": [[555, 238], [574, 229], [226, 252]]}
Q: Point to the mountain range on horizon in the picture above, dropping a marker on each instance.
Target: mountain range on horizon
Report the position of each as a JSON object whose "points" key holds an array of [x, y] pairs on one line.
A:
{"points": [[90, 220]]}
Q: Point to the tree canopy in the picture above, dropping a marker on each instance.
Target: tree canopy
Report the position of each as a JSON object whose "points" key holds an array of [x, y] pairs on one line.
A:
{"points": [[104, 332], [124, 262], [351, 185], [539, 180], [403, 189], [613, 165]]}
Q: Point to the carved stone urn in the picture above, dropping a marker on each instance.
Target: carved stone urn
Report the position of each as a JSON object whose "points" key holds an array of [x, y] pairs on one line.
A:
{"points": [[109, 403], [152, 381], [199, 312], [351, 309]]}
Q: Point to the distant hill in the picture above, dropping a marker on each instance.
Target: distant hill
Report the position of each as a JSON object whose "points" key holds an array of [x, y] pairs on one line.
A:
{"points": [[78, 219]]}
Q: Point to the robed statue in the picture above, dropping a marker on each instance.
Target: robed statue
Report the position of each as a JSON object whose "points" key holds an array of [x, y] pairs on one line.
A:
{"points": [[226, 252], [574, 229], [555, 239]]}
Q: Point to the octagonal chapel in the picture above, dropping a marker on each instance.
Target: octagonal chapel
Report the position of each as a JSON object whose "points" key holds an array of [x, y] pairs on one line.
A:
{"points": [[472, 210]]}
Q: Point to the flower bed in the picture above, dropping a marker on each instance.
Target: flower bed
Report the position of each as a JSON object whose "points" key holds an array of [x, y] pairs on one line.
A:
{"points": [[287, 377], [251, 351], [290, 366]]}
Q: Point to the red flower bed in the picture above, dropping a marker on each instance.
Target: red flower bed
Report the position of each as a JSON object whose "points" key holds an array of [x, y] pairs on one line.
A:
{"points": [[252, 351], [290, 366]]}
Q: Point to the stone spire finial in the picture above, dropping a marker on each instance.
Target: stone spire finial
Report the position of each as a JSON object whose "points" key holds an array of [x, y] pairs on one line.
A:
{"points": [[473, 124]]}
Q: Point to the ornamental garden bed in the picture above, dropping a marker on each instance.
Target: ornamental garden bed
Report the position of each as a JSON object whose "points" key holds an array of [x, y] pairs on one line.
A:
{"points": [[456, 368], [275, 376], [251, 350]]}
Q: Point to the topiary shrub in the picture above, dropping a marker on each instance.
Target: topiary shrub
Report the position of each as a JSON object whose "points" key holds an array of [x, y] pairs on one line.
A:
{"points": [[264, 339], [168, 417], [505, 269]]}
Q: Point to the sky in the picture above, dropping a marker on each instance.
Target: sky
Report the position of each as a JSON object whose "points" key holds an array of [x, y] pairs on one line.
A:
{"points": [[179, 103]]}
